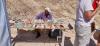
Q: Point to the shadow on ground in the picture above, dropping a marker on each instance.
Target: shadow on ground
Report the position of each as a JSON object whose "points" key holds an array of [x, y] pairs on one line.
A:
{"points": [[68, 42], [29, 36]]}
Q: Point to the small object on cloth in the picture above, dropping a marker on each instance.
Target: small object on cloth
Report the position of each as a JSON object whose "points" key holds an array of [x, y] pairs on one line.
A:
{"points": [[19, 25], [61, 26], [55, 33], [70, 26]]}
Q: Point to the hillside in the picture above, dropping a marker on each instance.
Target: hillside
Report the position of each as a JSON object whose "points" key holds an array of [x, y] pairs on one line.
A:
{"points": [[22, 9]]}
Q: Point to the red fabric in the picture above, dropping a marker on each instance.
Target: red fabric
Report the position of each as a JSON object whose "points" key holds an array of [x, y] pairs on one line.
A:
{"points": [[95, 4]]}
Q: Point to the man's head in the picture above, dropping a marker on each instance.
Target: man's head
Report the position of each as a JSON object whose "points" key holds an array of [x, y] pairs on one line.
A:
{"points": [[47, 11]]}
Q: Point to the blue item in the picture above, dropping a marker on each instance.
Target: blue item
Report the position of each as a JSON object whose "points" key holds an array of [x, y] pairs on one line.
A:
{"points": [[4, 29]]}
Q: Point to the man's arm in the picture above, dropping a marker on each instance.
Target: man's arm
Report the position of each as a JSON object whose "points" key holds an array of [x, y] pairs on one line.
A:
{"points": [[90, 14], [97, 9]]}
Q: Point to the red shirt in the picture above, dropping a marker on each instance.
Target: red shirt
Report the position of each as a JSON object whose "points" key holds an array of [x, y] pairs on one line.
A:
{"points": [[95, 4]]}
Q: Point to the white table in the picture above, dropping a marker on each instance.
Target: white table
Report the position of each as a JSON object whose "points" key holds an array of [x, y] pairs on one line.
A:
{"points": [[48, 26]]}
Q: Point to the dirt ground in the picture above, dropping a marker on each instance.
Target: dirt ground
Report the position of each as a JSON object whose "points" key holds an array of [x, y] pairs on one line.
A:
{"points": [[28, 39]]}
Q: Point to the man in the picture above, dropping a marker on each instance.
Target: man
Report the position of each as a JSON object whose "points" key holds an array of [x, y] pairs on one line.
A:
{"points": [[4, 29], [83, 23], [45, 16], [96, 3]]}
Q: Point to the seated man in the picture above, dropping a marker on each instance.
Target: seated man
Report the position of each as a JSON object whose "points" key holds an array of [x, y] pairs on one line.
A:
{"points": [[45, 16]]}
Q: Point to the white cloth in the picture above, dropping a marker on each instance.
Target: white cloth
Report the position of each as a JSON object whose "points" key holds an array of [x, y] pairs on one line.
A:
{"points": [[83, 5], [4, 30]]}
